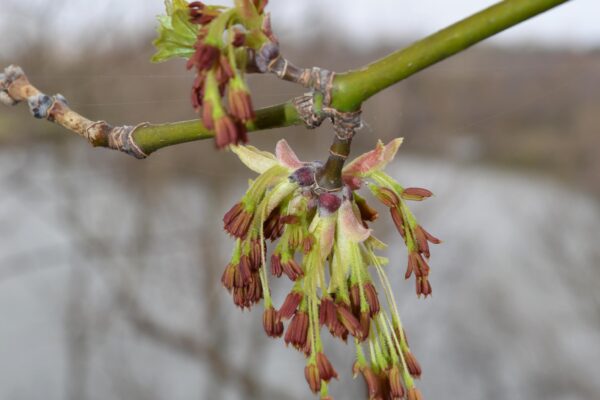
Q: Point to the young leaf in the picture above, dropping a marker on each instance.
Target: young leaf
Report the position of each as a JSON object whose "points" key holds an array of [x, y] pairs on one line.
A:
{"points": [[176, 34]]}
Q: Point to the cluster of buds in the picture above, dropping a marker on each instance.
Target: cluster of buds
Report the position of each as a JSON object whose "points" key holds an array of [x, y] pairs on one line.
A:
{"points": [[219, 91], [323, 244], [221, 44]]}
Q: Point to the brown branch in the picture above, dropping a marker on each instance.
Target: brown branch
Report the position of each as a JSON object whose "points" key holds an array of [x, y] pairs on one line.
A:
{"points": [[15, 88]]}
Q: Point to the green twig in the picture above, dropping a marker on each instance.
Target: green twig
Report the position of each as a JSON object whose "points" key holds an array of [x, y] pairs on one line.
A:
{"points": [[352, 88]]}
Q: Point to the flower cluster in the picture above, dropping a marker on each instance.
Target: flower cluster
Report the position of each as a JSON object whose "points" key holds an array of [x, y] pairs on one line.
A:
{"points": [[217, 42], [323, 244]]}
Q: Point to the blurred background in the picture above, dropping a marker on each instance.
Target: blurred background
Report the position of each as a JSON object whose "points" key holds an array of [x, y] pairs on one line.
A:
{"points": [[110, 267]]}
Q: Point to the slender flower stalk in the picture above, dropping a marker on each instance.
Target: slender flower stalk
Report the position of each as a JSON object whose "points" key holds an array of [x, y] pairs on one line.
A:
{"points": [[323, 244]]}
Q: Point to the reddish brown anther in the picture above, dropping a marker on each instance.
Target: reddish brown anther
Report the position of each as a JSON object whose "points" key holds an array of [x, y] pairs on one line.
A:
{"points": [[416, 194], [292, 269], [204, 57], [365, 323], [228, 277], [398, 220], [254, 291], [276, 268], [430, 237], [311, 373], [240, 105], [290, 304], [297, 331], [394, 376], [349, 321], [272, 323], [414, 394], [224, 71], [245, 271], [275, 224], [355, 299], [416, 264], [247, 296], [326, 370], [388, 198], [227, 132], [367, 213], [373, 383], [372, 299], [422, 242], [328, 317], [255, 254], [414, 368], [411, 266], [237, 221], [423, 287], [273, 228], [327, 311]]}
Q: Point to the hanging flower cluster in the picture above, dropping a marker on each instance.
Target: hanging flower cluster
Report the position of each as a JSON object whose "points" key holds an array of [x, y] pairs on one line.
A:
{"points": [[217, 41], [323, 244]]}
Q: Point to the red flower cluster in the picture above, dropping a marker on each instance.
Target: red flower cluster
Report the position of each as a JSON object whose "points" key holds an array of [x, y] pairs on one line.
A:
{"points": [[218, 75]]}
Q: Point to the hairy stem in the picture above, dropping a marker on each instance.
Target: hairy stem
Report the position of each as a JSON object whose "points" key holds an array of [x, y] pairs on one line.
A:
{"points": [[352, 88]]}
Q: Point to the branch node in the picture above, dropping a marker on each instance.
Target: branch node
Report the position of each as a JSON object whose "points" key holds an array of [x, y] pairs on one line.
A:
{"points": [[121, 138], [306, 111], [345, 124], [40, 105]]}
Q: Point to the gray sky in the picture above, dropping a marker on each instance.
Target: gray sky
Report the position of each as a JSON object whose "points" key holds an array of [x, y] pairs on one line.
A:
{"points": [[364, 21]]}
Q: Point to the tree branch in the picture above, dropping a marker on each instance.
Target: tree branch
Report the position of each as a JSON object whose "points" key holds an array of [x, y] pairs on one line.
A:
{"points": [[138, 141], [350, 89]]}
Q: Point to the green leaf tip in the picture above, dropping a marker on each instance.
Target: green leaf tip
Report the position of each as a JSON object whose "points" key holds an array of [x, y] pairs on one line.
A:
{"points": [[176, 34]]}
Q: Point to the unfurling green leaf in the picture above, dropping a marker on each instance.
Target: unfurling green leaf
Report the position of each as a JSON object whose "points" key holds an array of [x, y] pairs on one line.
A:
{"points": [[176, 34]]}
